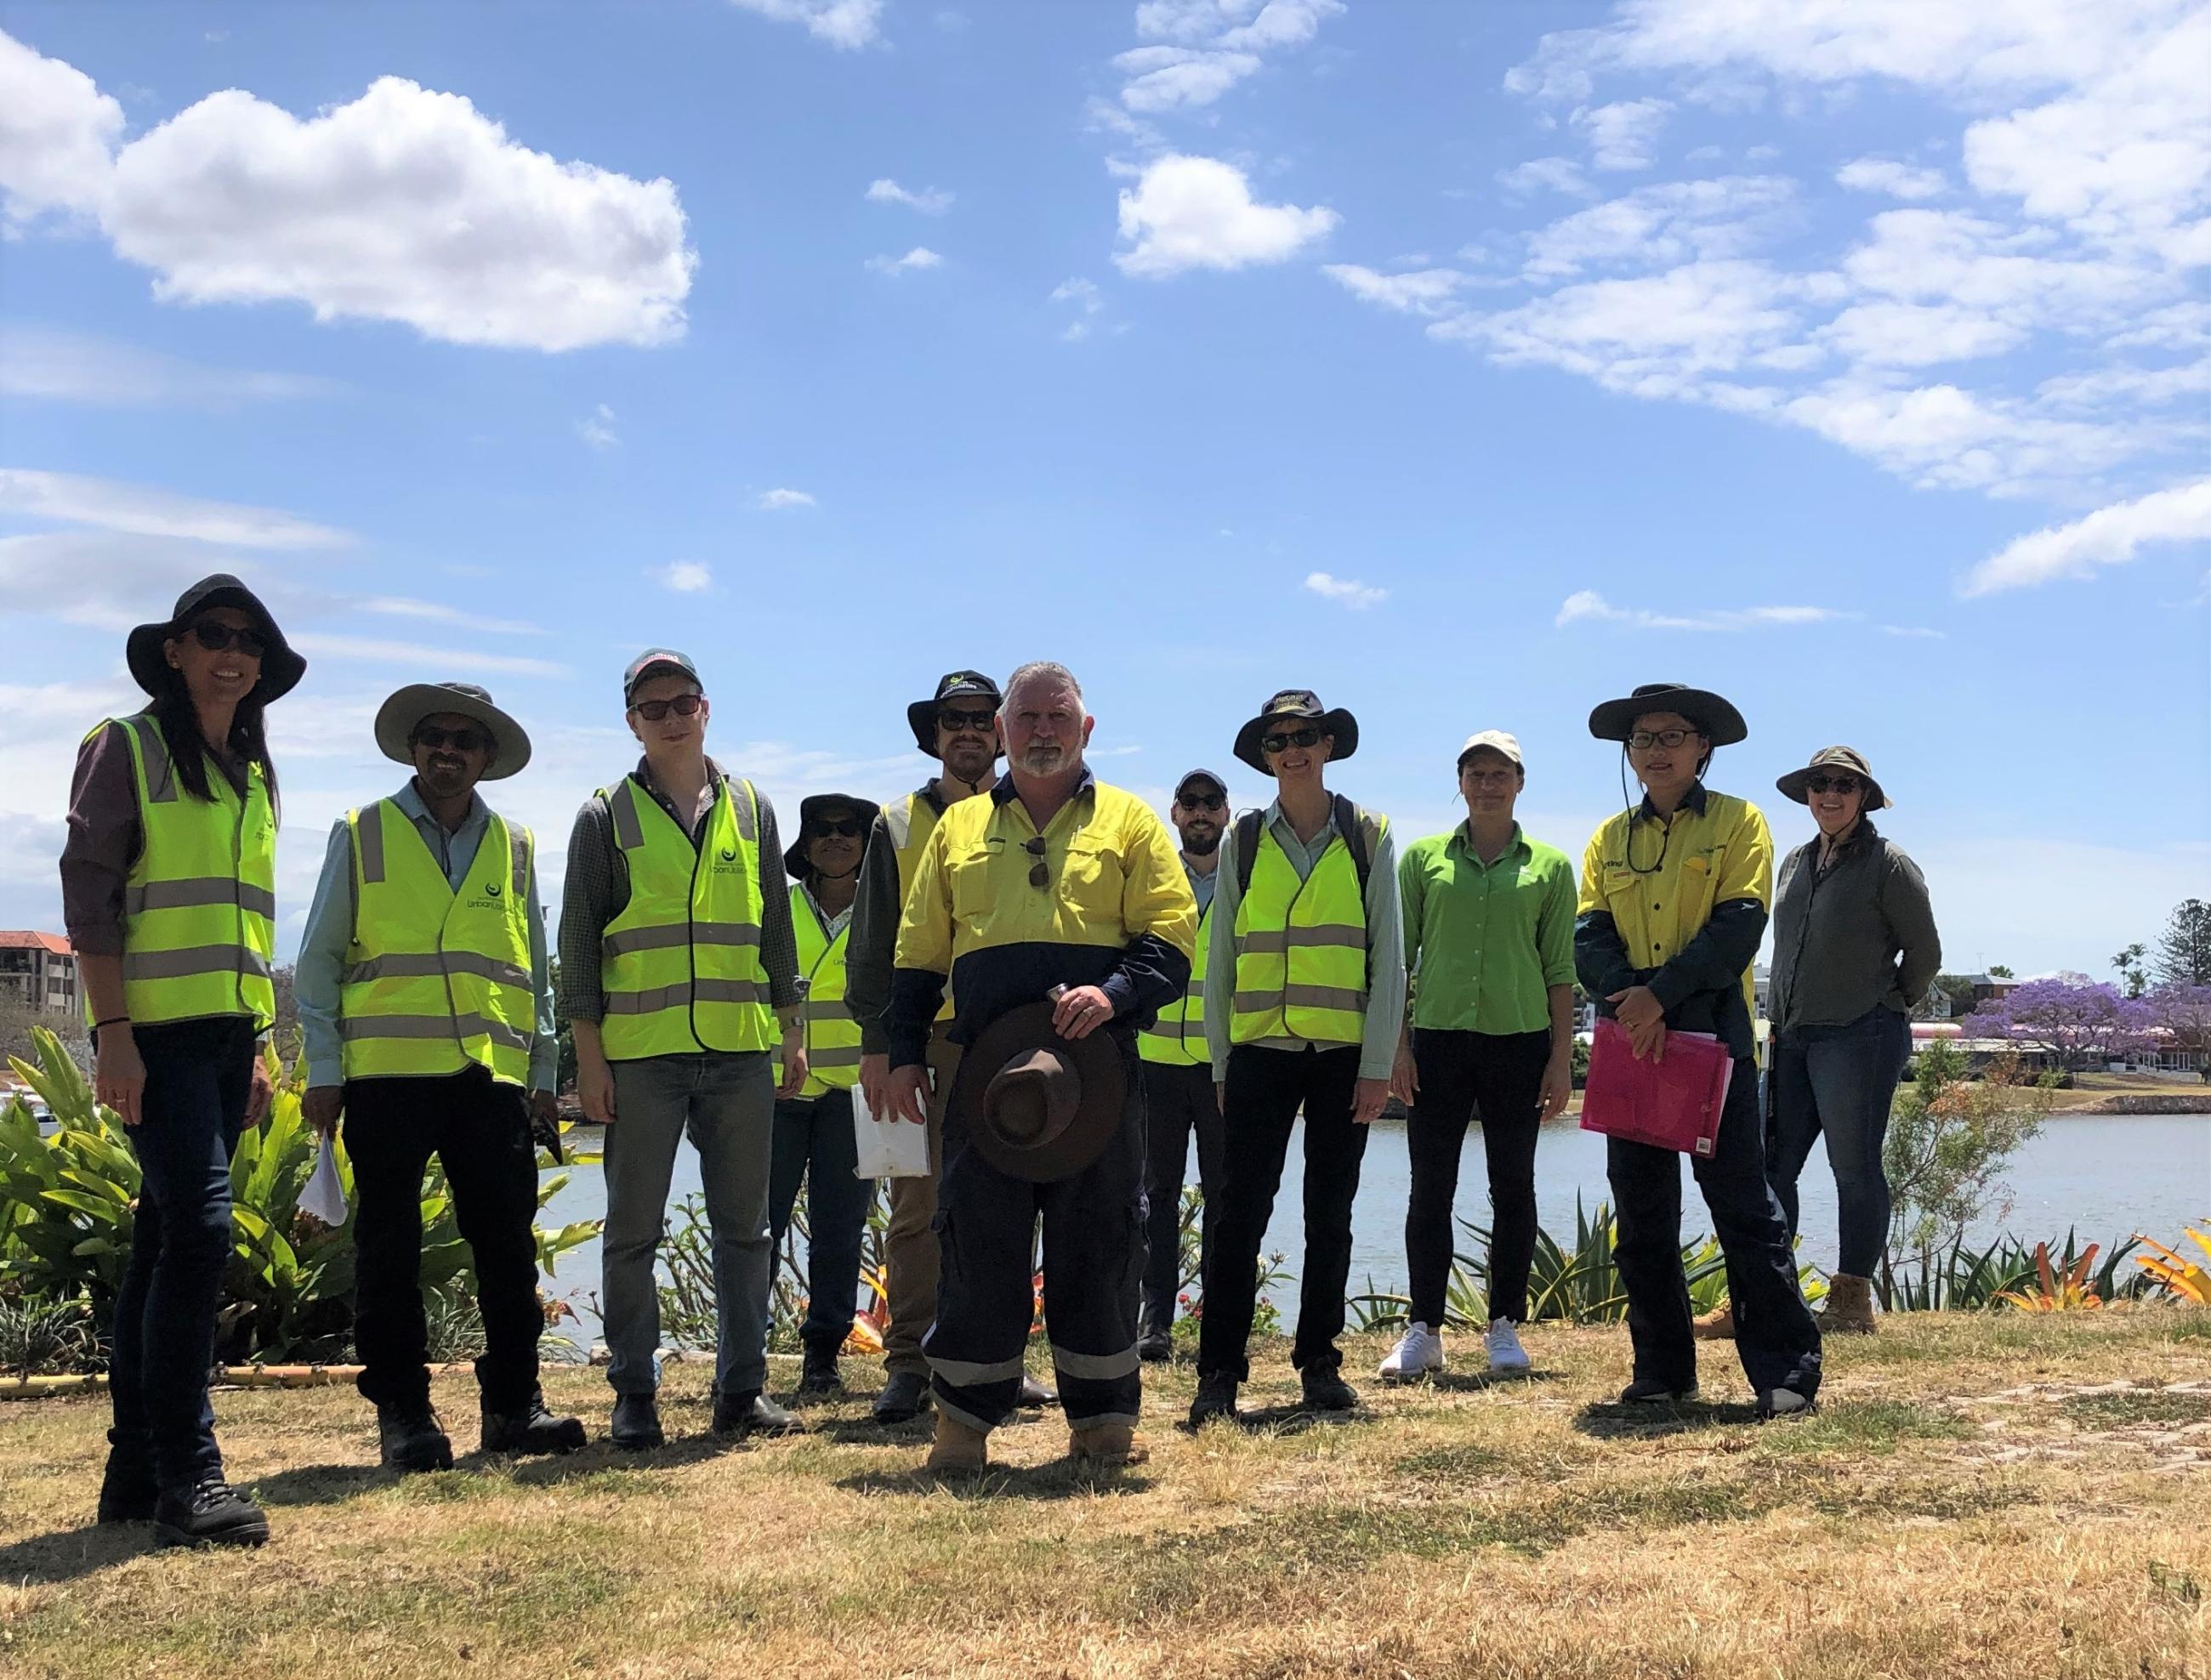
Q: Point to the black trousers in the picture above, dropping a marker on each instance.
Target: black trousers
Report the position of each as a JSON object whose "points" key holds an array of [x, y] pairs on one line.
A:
{"points": [[1775, 1335], [1266, 1088], [1497, 1078], [479, 1130], [1178, 1101]]}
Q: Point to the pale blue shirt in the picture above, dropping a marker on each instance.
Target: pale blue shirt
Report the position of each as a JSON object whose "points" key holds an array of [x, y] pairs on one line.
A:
{"points": [[1201, 885], [1386, 949], [317, 978]]}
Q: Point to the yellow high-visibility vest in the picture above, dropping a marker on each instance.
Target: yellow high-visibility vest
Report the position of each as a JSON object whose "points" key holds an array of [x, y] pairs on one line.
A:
{"points": [[199, 905], [436, 979], [832, 1036], [909, 820], [1301, 968], [1178, 1040], [683, 961]]}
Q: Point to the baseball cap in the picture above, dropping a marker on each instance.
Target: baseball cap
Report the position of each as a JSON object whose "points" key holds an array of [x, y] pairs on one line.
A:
{"points": [[656, 661], [1497, 741], [1191, 775]]}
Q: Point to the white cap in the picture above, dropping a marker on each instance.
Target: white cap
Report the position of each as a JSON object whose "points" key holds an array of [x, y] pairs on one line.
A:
{"points": [[1497, 741]]}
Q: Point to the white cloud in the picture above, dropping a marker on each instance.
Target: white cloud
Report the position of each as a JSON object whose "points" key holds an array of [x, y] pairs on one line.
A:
{"points": [[686, 577], [921, 257], [75, 367], [846, 25], [1198, 213], [597, 429], [1898, 334], [1085, 296], [1424, 292], [929, 201], [1898, 180], [772, 499], [2109, 536], [439, 611], [110, 504], [1168, 78], [1587, 606], [1675, 222], [320, 644], [1283, 23], [1200, 49], [1916, 633], [57, 133], [1546, 175], [1621, 135], [1345, 591]]}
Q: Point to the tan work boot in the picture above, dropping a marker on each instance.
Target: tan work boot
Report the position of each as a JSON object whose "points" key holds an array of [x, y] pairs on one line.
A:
{"points": [[958, 1449], [1109, 1446], [1849, 1308], [1717, 1325]]}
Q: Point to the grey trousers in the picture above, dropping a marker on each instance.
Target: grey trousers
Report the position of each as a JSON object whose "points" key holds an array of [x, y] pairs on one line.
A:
{"points": [[726, 1103]]}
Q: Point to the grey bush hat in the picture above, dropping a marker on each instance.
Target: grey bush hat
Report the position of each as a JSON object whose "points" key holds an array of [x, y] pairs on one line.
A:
{"points": [[396, 717], [1303, 705], [1796, 783]]}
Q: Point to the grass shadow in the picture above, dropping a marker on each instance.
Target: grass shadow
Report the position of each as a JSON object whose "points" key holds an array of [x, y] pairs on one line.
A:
{"points": [[318, 1483], [72, 1554], [604, 1459], [1062, 1478], [1615, 1420], [1473, 1382]]}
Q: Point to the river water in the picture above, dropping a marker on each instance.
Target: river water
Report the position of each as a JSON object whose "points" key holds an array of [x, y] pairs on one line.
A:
{"points": [[2106, 1176]]}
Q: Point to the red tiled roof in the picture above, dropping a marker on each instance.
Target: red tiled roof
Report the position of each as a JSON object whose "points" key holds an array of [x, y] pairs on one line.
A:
{"points": [[53, 943]]}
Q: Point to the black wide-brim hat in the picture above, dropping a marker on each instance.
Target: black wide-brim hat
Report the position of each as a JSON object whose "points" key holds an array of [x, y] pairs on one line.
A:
{"points": [[1715, 717], [396, 717], [281, 667], [794, 855], [921, 716], [1038, 1107], [1303, 705], [1829, 759]]}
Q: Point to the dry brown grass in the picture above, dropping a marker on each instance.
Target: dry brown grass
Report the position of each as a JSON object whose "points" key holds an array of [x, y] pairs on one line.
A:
{"points": [[2004, 1496]]}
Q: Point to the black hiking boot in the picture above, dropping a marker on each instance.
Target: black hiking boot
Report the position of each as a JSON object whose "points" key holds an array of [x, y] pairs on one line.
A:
{"points": [[532, 1430], [411, 1440], [208, 1514], [1216, 1398], [636, 1426], [736, 1415]]}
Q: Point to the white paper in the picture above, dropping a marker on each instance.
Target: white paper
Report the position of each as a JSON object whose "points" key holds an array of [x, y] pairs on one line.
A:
{"points": [[324, 1197], [890, 1148]]}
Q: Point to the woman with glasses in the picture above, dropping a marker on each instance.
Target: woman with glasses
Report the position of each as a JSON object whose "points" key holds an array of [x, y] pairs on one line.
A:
{"points": [[1854, 949], [168, 887], [1672, 905], [813, 1136]]}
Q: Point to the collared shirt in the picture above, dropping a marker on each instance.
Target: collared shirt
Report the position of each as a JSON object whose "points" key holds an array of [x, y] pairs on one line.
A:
{"points": [[1201, 887], [320, 971], [1678, 904], [1484, 942], [1385, 944], [870, 954], [1115, 912], [1853, 936], [597, 891], [831, 925]]}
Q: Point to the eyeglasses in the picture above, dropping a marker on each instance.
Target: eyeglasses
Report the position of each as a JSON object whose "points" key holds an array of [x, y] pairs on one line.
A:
{"points": [[683, 705], [1308, 736], [1201, 802], [955, 721], [1039, 875], [1834, 784], [848, 828], [214, 637], [1643, 739], [461, 740]]}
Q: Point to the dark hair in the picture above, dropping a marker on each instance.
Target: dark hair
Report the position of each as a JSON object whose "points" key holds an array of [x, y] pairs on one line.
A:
{"points": [[179, 721]]}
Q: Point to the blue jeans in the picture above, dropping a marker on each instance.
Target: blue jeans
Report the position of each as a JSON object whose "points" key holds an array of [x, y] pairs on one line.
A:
{"points": [[198, 1075], [725, 1103], [814, 1141], [1839, 1080]]}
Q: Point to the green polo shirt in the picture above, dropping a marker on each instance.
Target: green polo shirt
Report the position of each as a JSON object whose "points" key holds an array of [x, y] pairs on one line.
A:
{"points": [[1484, 943]]}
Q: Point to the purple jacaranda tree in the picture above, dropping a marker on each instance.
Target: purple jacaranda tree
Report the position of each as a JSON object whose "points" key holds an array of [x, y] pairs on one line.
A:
{"points": [[2075, 1022], [2181, 1018]]}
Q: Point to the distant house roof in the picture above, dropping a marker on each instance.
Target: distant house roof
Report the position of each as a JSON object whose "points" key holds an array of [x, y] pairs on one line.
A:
{"points": [[23, 939]]}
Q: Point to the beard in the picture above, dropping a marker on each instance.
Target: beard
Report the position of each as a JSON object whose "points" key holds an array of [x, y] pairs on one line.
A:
{"points": [[1046, 760], [970, 762], [1200, 842]]}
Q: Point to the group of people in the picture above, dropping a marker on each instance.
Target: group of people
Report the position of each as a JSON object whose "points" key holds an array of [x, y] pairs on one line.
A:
{"points": [[1026, 962]]}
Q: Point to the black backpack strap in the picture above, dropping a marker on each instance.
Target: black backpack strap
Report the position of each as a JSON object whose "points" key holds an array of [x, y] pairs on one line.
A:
{"points": [[1247, 851], [1360, 833]]}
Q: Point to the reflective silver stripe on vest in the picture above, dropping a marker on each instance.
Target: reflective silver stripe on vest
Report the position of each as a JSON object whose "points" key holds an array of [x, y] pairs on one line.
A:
{"points": [[1094, 1366], [898, 822], [629, 833], [197, 959], [1299, 997], [826, 1009], [682, 934], [198, 892], [517, 862], [844, 1055], [678, 997], [747, 814], [352, 1029], [429, 965], [370, 828], [153, 751], [970, 1374]]}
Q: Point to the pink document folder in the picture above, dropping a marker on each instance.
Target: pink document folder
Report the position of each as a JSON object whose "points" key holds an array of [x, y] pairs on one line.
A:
{"points": [[1673, 1103]]}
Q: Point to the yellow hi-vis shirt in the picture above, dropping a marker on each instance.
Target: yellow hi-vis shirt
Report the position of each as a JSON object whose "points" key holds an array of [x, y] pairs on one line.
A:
{"points": [[832, 1036], [435, 979], [199, 905]]}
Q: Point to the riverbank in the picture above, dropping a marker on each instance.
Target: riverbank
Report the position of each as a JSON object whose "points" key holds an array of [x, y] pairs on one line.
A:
{"points": [[1998, 1495]]}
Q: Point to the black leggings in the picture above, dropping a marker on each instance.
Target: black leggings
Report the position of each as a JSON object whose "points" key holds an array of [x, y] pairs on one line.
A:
{"points": [[1497, 1078]]}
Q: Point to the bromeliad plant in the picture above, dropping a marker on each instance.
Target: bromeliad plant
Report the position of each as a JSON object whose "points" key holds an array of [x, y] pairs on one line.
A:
{"points": [[2063, 1289], [2174, 1272]]}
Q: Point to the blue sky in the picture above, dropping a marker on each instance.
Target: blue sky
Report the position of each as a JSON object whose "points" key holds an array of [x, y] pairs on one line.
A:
{"points": [[1468, 364]]}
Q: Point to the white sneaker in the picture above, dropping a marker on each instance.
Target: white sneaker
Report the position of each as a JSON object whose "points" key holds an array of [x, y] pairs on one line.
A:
{"points": [[1419, 1352], [1502, 1343]]}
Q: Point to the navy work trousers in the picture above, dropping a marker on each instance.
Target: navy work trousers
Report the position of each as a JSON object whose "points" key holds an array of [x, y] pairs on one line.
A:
{"points": [[814, 1141], [1178, 1102]]}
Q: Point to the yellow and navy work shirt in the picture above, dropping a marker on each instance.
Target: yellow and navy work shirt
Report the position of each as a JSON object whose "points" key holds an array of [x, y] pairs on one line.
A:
{"points": [[1115, 911], [1679, 905]]}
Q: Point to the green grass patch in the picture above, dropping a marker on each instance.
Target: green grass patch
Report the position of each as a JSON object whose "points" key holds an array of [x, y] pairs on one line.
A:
{"points": [[2138, 1405], [1862, 1427]]}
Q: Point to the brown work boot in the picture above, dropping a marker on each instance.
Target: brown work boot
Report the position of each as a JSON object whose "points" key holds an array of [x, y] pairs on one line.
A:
{"points": [[1109, 1446], [1849, 1308], [959, 1450], [1717, 1325]]}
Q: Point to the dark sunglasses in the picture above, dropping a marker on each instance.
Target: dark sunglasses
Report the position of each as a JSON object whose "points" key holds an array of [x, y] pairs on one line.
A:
{"points": [[979, 722], [848, 828], [215, 638], [1308, 736], [461, 740], [1834, 784], [1039, 875], [1201, 802], [683, 705]]}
